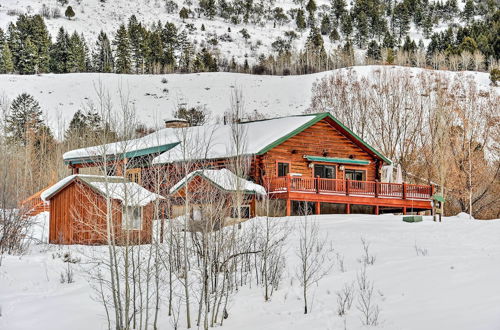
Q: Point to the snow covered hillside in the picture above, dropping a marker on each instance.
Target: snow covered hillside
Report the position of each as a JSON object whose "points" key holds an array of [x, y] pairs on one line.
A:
{"points": [[157, 96], [426, 276]]}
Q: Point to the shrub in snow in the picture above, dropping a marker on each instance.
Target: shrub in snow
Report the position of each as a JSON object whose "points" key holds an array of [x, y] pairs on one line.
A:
{"points": [[365, 304]]}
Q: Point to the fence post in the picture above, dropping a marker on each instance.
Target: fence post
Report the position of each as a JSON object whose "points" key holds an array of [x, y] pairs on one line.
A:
{"points": [[317, 184], [377, 187], [347, 187], [404, 190]]}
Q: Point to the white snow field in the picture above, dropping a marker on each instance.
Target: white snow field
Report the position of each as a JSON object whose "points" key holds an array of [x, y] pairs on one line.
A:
{"points": [[60, 96], [455, 286]]}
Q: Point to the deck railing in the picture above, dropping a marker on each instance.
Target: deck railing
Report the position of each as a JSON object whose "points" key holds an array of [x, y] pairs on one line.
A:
{"points": [[347, 187], [34, 204]]}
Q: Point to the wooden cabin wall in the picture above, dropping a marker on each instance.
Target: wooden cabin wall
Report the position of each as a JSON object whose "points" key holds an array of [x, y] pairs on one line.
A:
{"points": [[78, 216], [315, 141]]}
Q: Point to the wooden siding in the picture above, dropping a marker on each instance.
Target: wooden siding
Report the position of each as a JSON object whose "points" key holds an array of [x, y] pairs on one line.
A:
{"points": [[78, 216], [321, 139]]}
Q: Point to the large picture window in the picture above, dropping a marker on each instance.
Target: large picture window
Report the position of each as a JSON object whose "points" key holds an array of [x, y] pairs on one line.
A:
{"points": [[356, 175], [283, 168], [325, 171], [132, 218]]}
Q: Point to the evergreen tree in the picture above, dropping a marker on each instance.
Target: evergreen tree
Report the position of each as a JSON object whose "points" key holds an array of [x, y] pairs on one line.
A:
{"points": [[401, 19], [25, 120], [325, 25], [77, 57], [84, 128], [334, 35], [69, 13], [103, 57], [362, 29], [60, 52], [409, 45], [184, 13], [468, 13], [28, 58], [300, 20], [346, 25], [34, 29], [373, 51], [389, 41], [123, 58], [6, 63], [338, 10], [311, 7]]}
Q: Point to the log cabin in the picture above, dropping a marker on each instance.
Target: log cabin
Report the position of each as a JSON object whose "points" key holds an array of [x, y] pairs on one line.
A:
{"points": [[79, 212], [308, 160]]}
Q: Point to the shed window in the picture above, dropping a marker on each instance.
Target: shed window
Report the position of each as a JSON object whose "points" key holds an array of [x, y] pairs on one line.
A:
{"points": [[245, 212], [132, 218], [134, 175], [283, 169]]}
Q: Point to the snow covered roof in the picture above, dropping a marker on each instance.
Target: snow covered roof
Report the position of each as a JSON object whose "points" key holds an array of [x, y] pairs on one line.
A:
{"points": [[223, 179], [170, 145], [115, 187]]}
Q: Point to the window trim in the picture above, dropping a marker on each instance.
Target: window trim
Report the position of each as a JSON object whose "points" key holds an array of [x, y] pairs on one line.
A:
{"points": [[284, 162], [124, 213], [134, 171]]}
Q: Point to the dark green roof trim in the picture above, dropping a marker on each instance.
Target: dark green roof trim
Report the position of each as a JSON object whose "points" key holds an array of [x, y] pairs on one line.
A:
{"points": [[313, 121], [130, 154], [337, 160]]}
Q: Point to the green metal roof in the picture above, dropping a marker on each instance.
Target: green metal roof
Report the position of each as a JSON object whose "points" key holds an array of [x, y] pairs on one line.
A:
{"points": [[313, 121], [130, 154], [337, 160]]}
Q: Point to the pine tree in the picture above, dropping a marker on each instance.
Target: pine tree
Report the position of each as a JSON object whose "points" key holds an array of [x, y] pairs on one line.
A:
{"points": [[60, 52], [103, 57], [69, 13], [184, 13], [334, 35], [6, 63], [77, 57], [311, 7], [401, 19], [338, 10], [346, 25], [362, 29], [123, 58], [373, 51], [28, 58], [468, 13], [300, 20], [24, 121], [325, 25]]}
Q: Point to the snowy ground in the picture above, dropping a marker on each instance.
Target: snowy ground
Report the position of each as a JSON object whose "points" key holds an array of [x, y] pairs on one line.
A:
{"points": [[60, 96], [455, 286]]}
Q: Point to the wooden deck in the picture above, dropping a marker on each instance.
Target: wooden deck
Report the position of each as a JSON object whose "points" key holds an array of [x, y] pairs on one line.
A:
{"points": [[377, 194]]}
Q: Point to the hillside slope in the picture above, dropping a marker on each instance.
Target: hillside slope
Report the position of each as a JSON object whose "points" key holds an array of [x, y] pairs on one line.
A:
{"points": [[60, 96]]}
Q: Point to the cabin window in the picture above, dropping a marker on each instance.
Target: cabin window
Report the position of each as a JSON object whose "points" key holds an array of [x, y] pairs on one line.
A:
{"points": [[325, 171], [132, 218], [355, 175], [283, 169], [134, 175], [245, 212]]}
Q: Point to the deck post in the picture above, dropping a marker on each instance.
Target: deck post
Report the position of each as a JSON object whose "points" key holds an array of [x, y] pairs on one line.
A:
{"points": [[346, 182], [288, 183], [377, 210], [317, 208], [404, 210], [317, 184], [377, 187], [404, 190], [348, 208], [288, 207]]}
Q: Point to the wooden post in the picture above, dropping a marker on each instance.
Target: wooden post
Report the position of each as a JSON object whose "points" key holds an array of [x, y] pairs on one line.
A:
{"points": [[347, 187], [288, 207], [75, 170], [288, 182], [404, 210], [348, 208], [404, 190], [317, 208], [377, 187], [317, 184], [377, 210]]}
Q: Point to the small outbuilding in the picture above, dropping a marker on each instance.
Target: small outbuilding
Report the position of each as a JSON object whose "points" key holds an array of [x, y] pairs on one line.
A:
{"points": [[82, 206], [212, 193]]}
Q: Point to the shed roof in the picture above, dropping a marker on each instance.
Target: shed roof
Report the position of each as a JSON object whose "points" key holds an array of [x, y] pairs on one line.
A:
{"points": [[115, 187], [223, 179]]}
